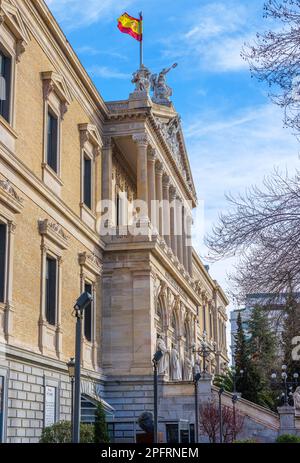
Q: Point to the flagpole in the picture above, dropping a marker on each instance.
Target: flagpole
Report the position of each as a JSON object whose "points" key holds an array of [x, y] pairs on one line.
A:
{"points": [[141, 42]]}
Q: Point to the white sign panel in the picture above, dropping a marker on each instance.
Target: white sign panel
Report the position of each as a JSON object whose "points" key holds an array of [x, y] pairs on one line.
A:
{"points": [[50, 405]]}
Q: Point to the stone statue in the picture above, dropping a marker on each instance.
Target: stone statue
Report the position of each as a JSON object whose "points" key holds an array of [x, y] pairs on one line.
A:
{"points": [[146, 422], [296, 397], [197, 367], [141, 79], [176, 373], [188, 370], [163, 364], [161, 91]]}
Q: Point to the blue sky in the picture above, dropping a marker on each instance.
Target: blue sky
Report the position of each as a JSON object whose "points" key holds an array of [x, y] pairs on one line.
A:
{"points": [[234, 134]]}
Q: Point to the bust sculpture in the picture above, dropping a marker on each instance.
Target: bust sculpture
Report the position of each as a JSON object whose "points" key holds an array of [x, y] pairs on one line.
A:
{"points": [[145, 421]]}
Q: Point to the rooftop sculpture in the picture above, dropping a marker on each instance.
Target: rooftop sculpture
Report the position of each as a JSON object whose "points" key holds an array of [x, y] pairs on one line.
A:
{"points": [[144, 80]]}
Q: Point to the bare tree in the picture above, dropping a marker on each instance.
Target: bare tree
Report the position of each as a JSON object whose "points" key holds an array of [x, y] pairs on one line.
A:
{"points": [[263, 228], [275, 56], [233, 423]]}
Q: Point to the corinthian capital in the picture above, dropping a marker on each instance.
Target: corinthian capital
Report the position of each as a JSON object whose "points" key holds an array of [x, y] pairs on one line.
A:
{"points": [[152, 155], [141, 139]]}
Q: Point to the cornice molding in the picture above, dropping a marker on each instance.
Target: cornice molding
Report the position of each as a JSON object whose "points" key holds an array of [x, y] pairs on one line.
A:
{"points": [[9, 197]]}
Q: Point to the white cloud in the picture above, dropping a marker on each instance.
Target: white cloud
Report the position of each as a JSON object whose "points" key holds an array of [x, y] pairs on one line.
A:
{"points": [[230, 155], [106, 73], [75, 13], [213, 36]]}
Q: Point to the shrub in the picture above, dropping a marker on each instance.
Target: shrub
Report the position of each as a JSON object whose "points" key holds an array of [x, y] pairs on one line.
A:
{"points": [[60, 433], [288, 439], [101, 433]]}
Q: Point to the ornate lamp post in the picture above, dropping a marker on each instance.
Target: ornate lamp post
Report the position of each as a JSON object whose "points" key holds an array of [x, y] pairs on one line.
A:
{"points": [[204, 351], [157, 357], [234, 399], [71, 370], [221, 390], [197, 377], [285, 384], [82, 302]]}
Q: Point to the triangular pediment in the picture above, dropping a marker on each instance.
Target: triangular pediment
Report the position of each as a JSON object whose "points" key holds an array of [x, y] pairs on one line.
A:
{"points": [[11, 16], [169, 127], [58, 84]]}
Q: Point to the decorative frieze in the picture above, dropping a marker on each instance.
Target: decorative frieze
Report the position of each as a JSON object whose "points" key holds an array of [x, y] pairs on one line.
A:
{"points": [[90, 134], [54, 232], [91, 261], [10, 197]]}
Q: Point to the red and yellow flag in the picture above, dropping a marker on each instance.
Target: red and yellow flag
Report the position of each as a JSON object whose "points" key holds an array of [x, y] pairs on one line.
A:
{"points": [[132, 26]]}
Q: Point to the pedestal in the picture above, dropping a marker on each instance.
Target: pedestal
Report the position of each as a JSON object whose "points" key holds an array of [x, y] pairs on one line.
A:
{"points": [[287, 420]]}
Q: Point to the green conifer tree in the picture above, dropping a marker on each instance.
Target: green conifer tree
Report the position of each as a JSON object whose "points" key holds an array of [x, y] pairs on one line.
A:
{"points": [[101, 433]]}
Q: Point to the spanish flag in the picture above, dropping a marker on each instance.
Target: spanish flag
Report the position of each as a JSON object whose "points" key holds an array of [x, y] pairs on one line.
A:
{"points": [[132, 26]]}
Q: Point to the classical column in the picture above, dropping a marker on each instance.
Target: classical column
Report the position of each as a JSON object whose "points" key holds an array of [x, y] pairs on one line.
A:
{"points": [[159, 196], [142, 142], [189, 221], [152, 187], [9, 308], [184, 242], [107, 176], [173, 219], [179, 228], [166, 209]]}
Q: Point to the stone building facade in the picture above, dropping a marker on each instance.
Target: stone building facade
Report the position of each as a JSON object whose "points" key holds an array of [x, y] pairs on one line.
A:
{"points": [[64, 152]]}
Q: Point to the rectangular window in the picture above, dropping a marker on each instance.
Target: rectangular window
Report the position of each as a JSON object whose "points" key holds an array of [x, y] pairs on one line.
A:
{"points": [[87, 182], [88, 315], [5, 85], [52, 140], [3, 233], [51, 290]]}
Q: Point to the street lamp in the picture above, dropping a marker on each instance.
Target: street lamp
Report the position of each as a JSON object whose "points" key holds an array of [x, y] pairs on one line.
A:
{"points": [[197, 377], [221, 390], [204, 351], [286, 385], [157, 357], [234, 399], [82, 302], [71, 370]]}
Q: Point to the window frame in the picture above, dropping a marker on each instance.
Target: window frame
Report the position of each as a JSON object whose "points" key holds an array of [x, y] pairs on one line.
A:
{"points": [[52, 115], [7, 47], [8, 88], [5, 263], [87, 157], [53, 258]]}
